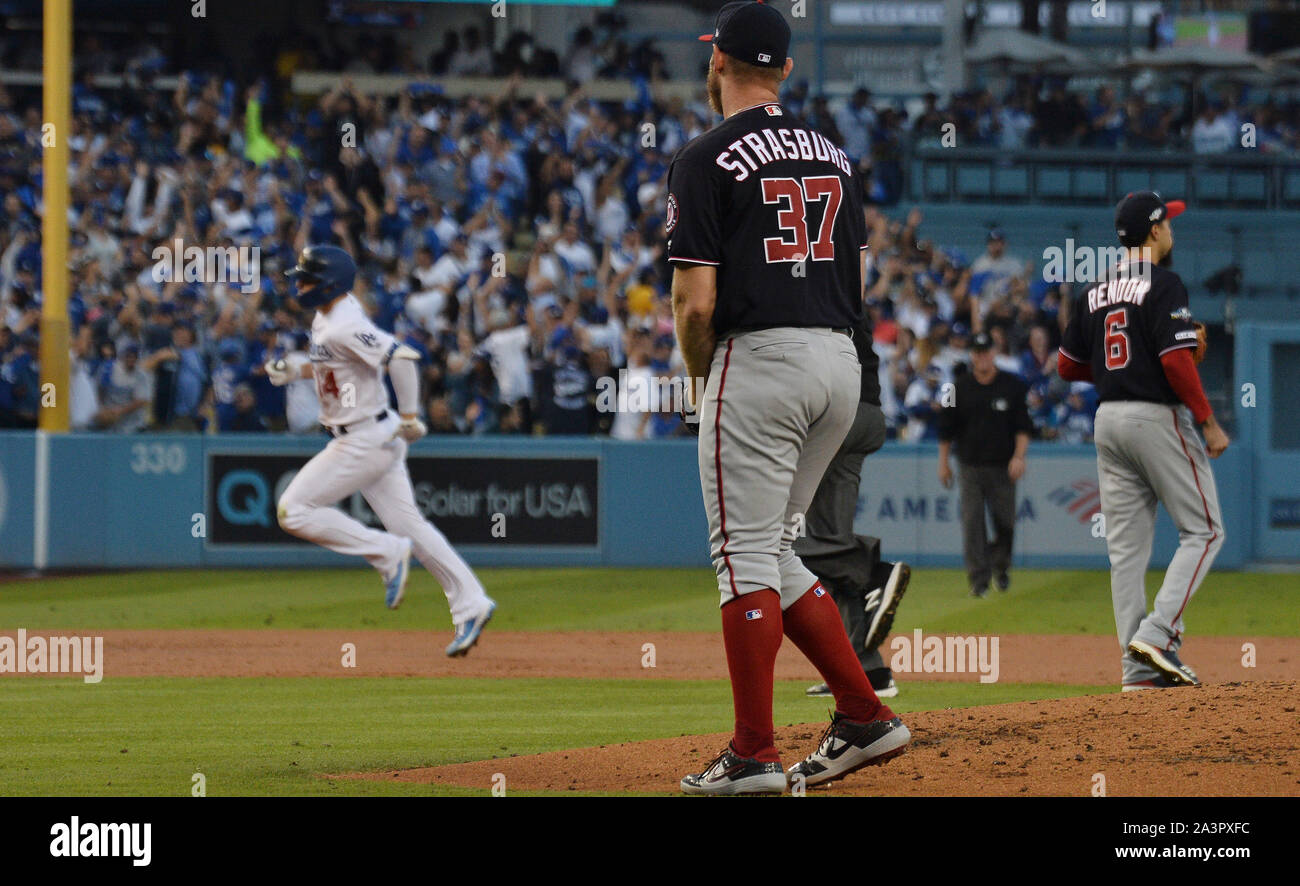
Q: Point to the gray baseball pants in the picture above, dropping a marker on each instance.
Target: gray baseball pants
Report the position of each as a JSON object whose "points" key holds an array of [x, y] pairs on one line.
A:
{"points": [[843, 561], [986, 488], [1149, 453], [776, 407]]}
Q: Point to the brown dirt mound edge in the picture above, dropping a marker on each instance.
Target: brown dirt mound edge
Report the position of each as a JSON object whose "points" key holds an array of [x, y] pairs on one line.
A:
{"points": [[1023, 658], [1234, 739]]}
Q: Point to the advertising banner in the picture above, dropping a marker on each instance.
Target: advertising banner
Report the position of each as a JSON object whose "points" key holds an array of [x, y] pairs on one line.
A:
{"points": [[499, 501]]}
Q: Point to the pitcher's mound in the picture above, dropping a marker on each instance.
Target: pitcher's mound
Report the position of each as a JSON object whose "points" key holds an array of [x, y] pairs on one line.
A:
{"points": [[1233, 739]]}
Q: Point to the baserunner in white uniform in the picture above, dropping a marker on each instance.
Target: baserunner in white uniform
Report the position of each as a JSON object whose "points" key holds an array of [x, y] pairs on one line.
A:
{"points": [[347, 358]]}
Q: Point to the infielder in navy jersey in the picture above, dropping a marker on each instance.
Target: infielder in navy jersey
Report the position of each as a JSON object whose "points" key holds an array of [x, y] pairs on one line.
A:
{"points": [[765, 231], [1132, 335]]}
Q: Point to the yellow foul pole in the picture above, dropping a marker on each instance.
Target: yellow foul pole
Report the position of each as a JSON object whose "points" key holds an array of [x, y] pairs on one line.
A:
{"points": [[55, 369]]}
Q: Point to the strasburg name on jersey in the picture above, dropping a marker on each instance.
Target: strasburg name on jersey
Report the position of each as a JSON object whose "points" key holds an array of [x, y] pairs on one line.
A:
{"points": [[1122, 326], [348, 354], [768, 145]]}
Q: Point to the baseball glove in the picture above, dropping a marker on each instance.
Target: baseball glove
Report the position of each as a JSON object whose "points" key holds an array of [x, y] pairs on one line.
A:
{"points": [[1202, 343]]}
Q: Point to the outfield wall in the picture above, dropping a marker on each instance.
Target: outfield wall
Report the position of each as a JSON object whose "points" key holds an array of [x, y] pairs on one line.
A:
{"points": [[94, 500]]}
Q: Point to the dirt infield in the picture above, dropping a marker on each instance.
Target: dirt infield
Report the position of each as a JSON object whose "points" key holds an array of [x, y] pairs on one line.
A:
{"points": [[1235, 739], [1027, 658]]}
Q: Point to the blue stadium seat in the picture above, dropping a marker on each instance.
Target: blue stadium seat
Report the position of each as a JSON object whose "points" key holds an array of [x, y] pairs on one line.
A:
{"points": [[1090, 184], [1291, 186], [1053, 181], [1129, 180], [974, 181], [1171, 183], [1249, 186], [1212, 185], [1010, 182], [936, 180], [916, 179]]}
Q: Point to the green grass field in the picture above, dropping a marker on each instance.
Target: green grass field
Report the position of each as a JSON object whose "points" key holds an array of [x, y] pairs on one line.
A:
{"points": [[129, 736]]}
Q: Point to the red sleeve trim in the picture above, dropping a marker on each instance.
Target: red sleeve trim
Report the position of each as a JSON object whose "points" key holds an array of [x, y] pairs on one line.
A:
{"points": [[1071, 369], [1186, 382]]}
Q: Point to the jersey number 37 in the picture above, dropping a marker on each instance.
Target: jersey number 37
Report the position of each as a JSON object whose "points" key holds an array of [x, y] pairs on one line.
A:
{"points": [[792, 197]]}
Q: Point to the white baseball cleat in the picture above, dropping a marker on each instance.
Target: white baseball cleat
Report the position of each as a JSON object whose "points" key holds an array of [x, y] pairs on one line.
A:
{"points": [[467, 632], [395, 585]]}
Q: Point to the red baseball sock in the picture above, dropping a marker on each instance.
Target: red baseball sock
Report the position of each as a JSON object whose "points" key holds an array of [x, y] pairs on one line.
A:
{"points": [[751, 632], [813, 623]]}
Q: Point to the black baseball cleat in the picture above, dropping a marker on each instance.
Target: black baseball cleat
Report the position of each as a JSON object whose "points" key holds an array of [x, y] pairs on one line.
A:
{"points": [[847, 746], [1002, 580], [1165, 661], [730, 774], [882, 681], [1159, 681], [979, 591], [882, 604]]}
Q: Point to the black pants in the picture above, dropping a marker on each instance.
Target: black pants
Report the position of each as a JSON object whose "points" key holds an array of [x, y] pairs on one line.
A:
{"points": [[986, 489], [845, 562]]}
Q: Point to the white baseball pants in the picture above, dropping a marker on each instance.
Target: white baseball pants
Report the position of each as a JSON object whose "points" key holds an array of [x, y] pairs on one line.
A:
{"points": [[370, 460]]}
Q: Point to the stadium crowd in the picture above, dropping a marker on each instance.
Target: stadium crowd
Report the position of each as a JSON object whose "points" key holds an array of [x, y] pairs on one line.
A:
{"points": [[516, 242]]}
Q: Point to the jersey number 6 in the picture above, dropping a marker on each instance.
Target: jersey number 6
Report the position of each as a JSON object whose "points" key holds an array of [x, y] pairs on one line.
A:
{"points": [[1117, 339], [792, 217]]}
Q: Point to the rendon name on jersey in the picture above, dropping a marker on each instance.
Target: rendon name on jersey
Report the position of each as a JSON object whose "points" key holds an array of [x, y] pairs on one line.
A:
{"points": [[1122, 326], [777, 209]]}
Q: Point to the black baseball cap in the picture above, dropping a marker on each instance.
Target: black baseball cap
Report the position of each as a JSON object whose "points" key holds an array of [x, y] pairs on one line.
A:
{"points": [[1138, 211], [753, 32], [981, 342]]}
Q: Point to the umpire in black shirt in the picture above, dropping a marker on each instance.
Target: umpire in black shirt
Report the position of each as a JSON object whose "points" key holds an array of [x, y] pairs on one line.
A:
{"points": [[866, 588], [988, 419]]}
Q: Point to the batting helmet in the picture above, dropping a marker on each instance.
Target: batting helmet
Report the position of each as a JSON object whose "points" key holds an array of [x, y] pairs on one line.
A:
{"points": [[330, 268]]}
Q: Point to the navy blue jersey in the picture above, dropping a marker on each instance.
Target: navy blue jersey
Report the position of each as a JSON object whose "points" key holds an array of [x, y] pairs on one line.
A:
{"points": [[1122, 326], [777, 209]]}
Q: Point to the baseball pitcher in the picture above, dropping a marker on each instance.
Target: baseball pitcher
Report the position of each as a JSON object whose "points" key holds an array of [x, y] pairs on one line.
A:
{"points": [[765, 229], [1133, 336], [347, 358]]}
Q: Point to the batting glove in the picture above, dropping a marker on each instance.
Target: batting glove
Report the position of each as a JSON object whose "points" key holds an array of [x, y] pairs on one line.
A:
{"points": [[285, 370], [411, 429]]}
